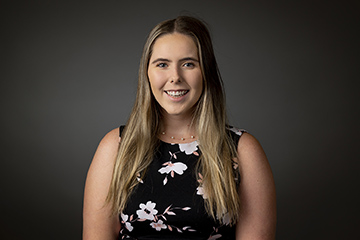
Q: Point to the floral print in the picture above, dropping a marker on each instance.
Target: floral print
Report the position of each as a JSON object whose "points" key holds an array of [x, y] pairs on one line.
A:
{"points": [[158, 225], [237, 131], [127, 224], [172, 168], [216, 236], [200, 189], [147, 211], [172, 205], [226, 219], [178, 167], [138, 177], [189, 148]]}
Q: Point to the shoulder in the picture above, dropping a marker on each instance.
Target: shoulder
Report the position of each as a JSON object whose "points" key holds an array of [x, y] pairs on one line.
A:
{"points": [[109, 143], [111, 138], [97, 222], [251, 155], [248, 144], [106, 153], [256, 190], [245, 142]]}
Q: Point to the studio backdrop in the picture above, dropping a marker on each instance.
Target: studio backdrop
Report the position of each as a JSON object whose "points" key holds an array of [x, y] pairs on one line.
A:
{"points": [[69, 75]]}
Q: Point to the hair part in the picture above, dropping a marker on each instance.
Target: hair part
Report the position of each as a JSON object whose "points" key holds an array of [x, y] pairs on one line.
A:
{"points": [[139, 138]]}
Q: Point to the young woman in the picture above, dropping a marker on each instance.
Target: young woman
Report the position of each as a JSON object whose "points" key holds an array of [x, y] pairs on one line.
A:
{"points": [[178, 170]]}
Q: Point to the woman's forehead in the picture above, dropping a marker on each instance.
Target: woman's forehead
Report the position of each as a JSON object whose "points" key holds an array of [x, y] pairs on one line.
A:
{"points": [[175, 45]]}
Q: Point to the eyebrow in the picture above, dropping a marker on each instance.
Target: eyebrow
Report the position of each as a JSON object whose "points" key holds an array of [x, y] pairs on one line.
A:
{"points": [[181, 60]]}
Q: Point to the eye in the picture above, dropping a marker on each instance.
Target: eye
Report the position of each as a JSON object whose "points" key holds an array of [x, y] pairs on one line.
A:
{"points": [[189, 64], [161, 65]]}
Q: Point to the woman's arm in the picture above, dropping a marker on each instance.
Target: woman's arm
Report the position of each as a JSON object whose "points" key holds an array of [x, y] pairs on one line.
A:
{"points": [[98, 223], [257, 192]]}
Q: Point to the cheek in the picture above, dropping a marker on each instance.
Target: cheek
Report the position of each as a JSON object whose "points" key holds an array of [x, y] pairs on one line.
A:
{"points": [[156, 80], [152, 81], [199, 82]]}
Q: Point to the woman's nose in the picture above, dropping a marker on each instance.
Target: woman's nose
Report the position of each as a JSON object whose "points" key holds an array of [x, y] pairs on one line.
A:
{"points": [[175, 75]]}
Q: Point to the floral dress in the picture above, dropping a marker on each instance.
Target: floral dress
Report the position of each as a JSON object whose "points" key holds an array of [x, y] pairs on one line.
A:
{"points": [[168, 202]]}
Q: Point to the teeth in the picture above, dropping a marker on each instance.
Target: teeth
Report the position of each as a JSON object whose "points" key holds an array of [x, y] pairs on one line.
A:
{"points": [[176, 93]]}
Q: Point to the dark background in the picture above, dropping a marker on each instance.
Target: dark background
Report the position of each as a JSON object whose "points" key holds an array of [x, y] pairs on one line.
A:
{"points": [[69, 73]]}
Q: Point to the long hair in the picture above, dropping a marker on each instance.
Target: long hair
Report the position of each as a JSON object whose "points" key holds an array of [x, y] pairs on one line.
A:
{"points": [[139, 138]]}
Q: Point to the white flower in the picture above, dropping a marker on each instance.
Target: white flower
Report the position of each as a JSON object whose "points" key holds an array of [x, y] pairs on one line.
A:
{"points": [[236, 131], [201, 191], [177, 167], [188, 148], [128, 226], [147, 211], [226, 219], [158, 225]]}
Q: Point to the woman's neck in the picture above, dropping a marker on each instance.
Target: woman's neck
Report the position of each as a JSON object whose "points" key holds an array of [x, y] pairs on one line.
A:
{"points": [[177, 129]]}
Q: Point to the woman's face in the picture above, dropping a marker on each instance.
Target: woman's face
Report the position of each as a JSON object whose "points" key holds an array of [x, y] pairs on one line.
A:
{"points": [[174, 74]]}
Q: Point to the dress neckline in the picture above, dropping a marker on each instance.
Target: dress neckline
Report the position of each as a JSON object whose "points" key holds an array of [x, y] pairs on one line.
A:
{"points": [[177, 143]]}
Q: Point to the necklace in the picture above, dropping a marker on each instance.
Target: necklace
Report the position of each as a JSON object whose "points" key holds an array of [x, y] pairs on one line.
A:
{"points": [[172, 137]]}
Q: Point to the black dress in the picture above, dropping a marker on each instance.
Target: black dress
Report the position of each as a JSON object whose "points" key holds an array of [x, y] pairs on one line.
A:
{"points": [[168, 202]]}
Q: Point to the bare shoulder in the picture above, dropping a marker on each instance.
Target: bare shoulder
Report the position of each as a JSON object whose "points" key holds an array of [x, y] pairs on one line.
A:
{"points": [[254, 167], [98, 221], [256, 191], [112, 135], [110, 141], [103, 161], [249, 149], [106, 152]]}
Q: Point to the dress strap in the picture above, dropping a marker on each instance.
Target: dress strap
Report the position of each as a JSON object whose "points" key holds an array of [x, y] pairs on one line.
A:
{"points": [[121, 129], [235, 134]]}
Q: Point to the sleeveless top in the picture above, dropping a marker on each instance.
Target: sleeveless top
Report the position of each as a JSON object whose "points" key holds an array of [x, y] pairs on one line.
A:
{"points": [[168, 202]]}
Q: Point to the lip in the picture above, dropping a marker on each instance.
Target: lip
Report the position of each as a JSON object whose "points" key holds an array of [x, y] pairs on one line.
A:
{"points": [[176, 99]]}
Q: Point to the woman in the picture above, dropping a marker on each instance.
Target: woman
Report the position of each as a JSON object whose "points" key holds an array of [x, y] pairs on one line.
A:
{"points": [[179, 171]]}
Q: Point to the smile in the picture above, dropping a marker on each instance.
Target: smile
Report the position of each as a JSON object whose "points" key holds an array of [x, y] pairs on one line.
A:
{"points": [[177, 93]]}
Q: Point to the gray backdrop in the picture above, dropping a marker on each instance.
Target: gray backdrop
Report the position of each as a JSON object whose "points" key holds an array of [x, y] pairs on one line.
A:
{"points": [[68, 76]]}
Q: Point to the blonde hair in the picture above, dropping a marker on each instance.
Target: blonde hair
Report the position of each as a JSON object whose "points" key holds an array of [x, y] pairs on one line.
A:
{"points": [[139, 138]]}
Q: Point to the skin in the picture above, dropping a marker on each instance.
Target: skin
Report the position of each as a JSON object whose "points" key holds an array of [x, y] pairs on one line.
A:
{"points": [[257, 192], [97, 223], [174, 65]]}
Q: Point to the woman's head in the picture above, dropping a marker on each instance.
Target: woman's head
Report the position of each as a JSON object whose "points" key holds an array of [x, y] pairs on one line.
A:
{"points": [[175, 75], [197, 31]]}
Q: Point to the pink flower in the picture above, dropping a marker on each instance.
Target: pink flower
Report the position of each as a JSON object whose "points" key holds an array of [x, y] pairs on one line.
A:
{"points": [[215, 237], [158, 225]]}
